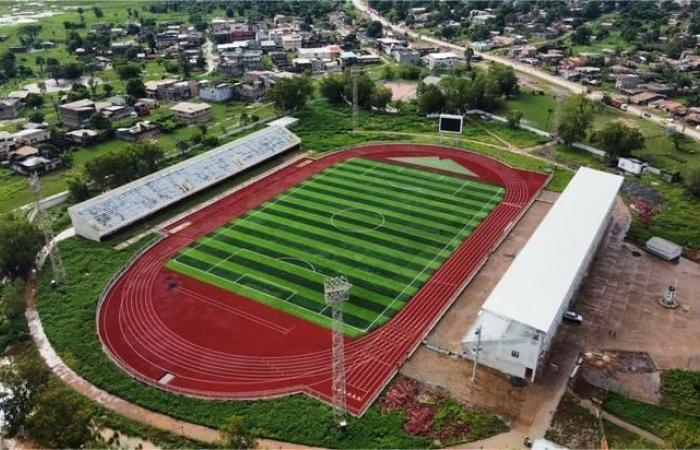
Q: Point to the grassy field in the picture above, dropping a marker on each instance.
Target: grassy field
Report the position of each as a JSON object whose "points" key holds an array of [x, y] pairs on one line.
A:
{"points": [[681, 390], [619, 438], [388, 227], [661, 421]]}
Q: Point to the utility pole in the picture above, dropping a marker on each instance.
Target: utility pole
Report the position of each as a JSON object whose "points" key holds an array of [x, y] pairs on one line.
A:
{"points": [[59, 274], [355, 73], [336, 291], [477, 349]]}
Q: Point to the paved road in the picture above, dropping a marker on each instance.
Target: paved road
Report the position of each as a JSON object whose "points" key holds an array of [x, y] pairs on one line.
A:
{"points": [[570, 86]]}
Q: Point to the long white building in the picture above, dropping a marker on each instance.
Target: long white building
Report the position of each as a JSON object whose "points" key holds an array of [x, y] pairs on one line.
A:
{"points": [[112, 211], [519, 319]]}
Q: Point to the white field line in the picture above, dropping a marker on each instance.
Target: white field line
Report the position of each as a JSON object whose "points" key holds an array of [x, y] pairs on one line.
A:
{"points": [[435, 258], [224, 260], [466, 183], [370, 169]]}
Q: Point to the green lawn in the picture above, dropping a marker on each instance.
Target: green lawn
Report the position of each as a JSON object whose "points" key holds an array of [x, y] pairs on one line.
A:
{"points": [[387, 227]]}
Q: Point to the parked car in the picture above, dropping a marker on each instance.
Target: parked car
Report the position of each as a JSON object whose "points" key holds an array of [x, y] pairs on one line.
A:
{"points": [[573, 316]]}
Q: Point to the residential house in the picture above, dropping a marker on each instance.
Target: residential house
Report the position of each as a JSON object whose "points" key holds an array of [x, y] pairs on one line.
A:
{"points": [[218, 92], [10, 108], [171, 89], [7, 143], [82, 136], [441, 61], [406, 56], [645, 98], [138, 132], [291, 42], [77, 114], [329, 52], [191, 112], [32, 136]]}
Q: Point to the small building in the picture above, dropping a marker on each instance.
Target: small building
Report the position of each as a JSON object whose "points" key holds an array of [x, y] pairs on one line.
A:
{"points": [[35, 164], [291, 42], [406, 56], [24, 152], [7, 143], [632, 165], [190, 112], [219, 92], [645, 98], [441, 61], [140, 131], [31, 136], [171, 89], [10, 108], [626, 82], [77, 114], [664, 249], [82, 136]]}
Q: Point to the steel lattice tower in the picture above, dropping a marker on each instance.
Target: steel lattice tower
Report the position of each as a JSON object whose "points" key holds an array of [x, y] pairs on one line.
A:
{"points": [[41, 219], [355, 72], [336, 291]]}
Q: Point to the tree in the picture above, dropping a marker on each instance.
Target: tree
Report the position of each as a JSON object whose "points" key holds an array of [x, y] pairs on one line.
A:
{"points": [[234, 434], [505, 77], [618, 139], [677, 435], [128, 70], [332, 88], [575, 119], [19, 243], [691, 179], [679, 140], [430, 99], [61, 419], [514, 118], [14, 298], [108, 89], [98, 11], [40, 61], [185, 65], [291, 94], [374, 29], [381, 96], [22, 380], [581, 36], [182, 147], [99, 122], [36, 117], [78, 188], [201, 62], [135, 88]]}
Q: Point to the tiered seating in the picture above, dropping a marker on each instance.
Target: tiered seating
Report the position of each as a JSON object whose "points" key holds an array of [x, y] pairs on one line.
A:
{"points": [[117, 208]]}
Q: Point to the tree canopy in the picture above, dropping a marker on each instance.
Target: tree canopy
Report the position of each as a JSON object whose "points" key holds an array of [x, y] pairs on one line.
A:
{"points": [[618, 139], [575, 119], [291, 94], [19, 243]]}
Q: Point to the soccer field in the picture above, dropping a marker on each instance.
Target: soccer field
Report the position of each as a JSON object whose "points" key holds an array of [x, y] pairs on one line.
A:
{"points": [[387, 227]]}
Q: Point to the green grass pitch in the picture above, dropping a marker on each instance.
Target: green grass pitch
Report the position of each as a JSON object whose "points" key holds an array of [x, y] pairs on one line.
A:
{"points": [[386, 226]]}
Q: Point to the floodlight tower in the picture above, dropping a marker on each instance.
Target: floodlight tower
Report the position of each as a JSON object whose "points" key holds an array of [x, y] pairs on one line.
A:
{"points": [[355, 73], [59, 274], [336, 291]]}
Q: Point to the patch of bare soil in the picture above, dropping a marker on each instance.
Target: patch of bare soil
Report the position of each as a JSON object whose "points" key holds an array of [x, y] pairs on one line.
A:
{"points": [[573, 426]]}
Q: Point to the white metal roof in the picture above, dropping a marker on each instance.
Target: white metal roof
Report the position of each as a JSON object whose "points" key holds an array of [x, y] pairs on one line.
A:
{"points": [[115, 209], [537, 282]]}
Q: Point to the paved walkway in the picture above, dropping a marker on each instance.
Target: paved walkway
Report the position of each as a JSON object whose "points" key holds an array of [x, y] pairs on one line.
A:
{"points": [[623, 424], [118, 405]]}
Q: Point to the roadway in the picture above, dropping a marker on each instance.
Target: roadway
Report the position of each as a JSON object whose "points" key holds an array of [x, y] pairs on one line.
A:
{"points": [[526, 69]]}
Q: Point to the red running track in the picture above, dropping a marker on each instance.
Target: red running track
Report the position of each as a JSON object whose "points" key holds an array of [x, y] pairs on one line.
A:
{"points": [[218, 344]]}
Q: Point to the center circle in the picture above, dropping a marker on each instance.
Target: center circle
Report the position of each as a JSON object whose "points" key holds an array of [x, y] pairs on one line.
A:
{"points": [[357, 220]]}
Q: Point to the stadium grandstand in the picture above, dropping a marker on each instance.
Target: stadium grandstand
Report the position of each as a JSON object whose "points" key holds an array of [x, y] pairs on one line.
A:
{"points": [[519, 319], [113, 210]]}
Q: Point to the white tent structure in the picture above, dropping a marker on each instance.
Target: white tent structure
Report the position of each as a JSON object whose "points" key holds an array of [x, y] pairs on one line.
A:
{"points": [[120, 207], [519, 319]]}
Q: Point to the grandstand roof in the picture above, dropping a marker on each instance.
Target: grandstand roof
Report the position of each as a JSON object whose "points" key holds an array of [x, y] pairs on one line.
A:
{"points": [[115, 209], [539, 280]]}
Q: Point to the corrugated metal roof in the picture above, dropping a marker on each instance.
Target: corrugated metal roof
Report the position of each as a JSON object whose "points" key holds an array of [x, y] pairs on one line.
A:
{"points": [[539, 279]]}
